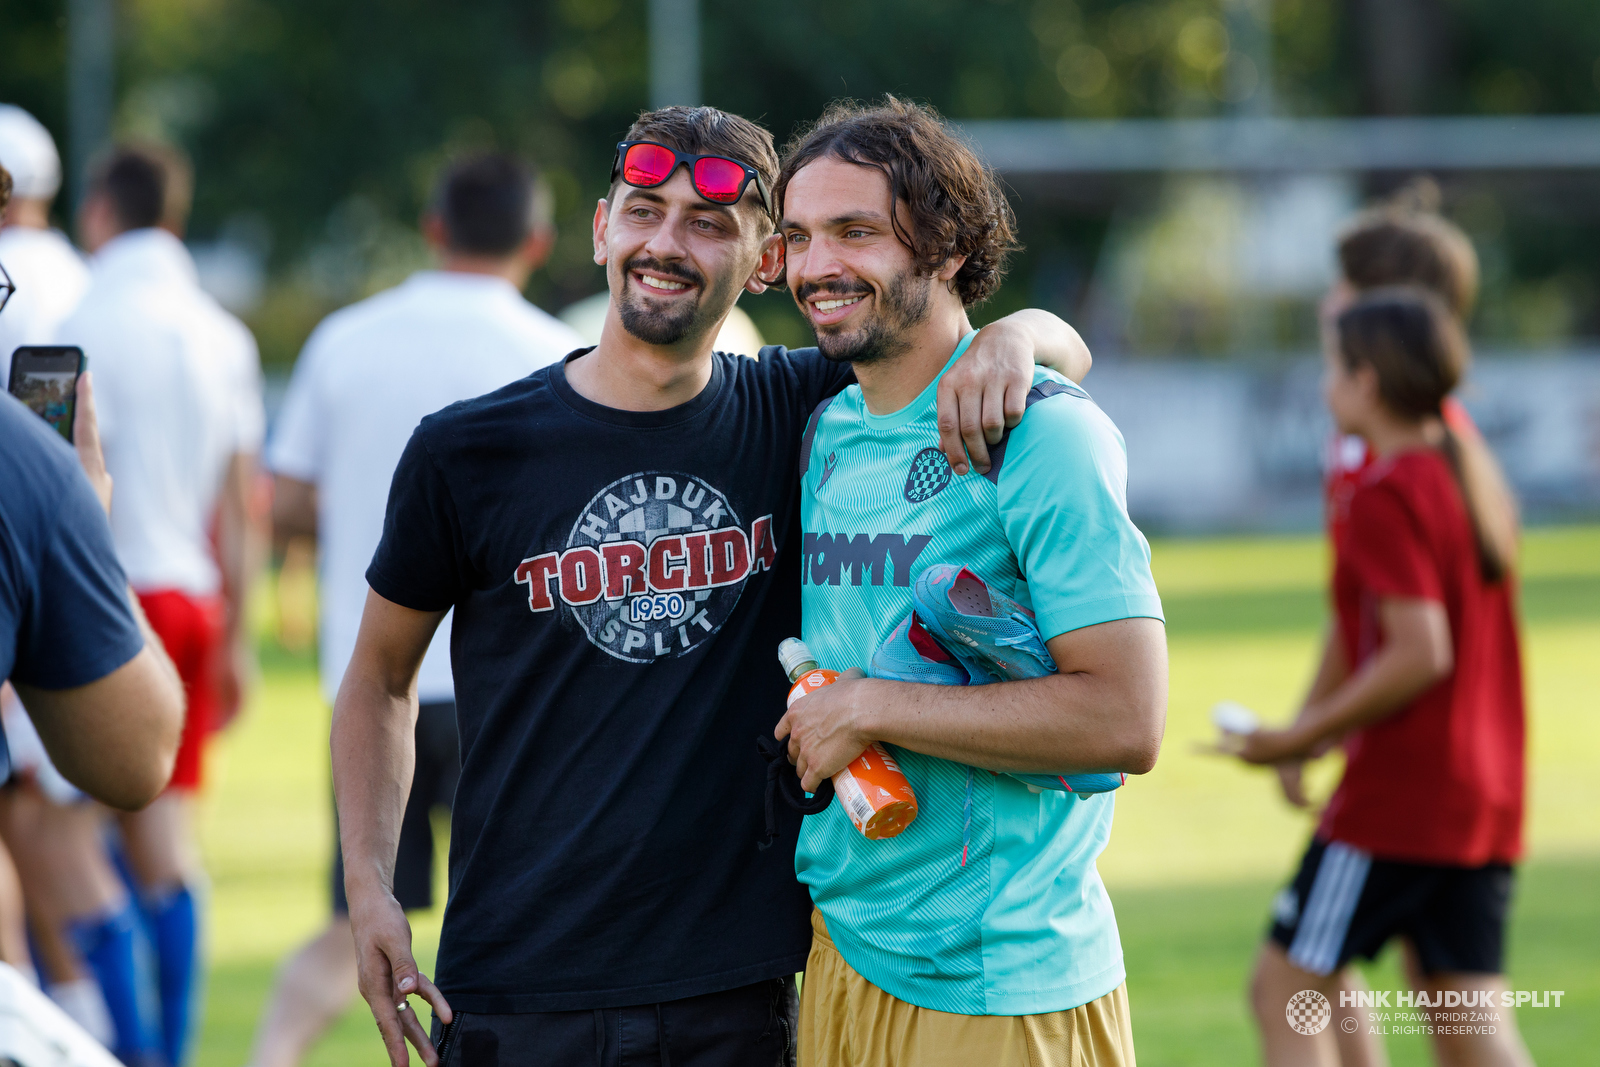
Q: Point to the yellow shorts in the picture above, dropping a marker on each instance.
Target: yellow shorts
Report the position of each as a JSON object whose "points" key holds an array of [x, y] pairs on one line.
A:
{"points": [[846, 1021]]}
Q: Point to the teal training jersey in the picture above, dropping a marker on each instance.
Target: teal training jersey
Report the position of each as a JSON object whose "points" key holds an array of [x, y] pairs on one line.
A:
{"points": [[1025, 925]]}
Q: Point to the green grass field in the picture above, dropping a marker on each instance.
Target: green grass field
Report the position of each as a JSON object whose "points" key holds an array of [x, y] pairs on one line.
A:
{"points": [[1199, 848]]}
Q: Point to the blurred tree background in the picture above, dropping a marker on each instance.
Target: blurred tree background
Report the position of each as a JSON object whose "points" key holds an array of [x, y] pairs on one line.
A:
{"points": [[316, 127]]}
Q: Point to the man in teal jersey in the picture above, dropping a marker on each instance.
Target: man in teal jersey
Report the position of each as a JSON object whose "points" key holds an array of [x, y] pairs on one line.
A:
{"points": [[926, 953]]}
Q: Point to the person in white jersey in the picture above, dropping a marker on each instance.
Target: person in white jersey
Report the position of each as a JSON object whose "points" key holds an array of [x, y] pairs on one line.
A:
{"points": [[178, 384], [54, 834], [49, 274], [367, 376]]}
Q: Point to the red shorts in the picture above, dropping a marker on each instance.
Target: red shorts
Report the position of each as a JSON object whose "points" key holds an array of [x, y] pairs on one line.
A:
{"points": [[191, 629]]}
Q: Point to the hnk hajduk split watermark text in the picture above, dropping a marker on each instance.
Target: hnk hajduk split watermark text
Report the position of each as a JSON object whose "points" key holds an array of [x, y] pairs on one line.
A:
{"points": [[1452, 998], [1408, 1011]]}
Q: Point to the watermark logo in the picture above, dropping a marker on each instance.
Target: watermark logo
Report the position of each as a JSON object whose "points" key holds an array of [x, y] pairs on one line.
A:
{"points": [[1308, 1012], [1465, 1012]]}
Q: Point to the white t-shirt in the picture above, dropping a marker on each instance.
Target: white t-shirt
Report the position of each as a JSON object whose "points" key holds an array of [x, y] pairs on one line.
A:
{"points": [[50, 278], [367, 376], [177, 385]]}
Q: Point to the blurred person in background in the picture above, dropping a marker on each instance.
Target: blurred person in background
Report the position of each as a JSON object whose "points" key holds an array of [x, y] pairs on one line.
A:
{"points": [[365, 379], [76, 647], [1402, 241], [181, 417], [49, 274], [1422, 683], [52, 824]]}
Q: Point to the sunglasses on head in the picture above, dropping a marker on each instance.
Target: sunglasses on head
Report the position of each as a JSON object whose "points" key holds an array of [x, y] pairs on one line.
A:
{"points": [[645, 165]]}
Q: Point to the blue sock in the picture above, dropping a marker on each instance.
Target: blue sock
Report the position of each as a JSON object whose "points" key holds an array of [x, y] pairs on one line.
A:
{"points": [[109, 944], [173, 919]]}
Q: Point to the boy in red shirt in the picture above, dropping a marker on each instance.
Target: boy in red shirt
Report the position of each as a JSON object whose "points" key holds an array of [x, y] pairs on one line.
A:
{"points": [[1423, 684]]}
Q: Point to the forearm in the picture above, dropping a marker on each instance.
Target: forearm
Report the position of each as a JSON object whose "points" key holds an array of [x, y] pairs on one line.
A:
{"points": [[1060, 724], [374, 754], [240, 547], [1386, 683], [1055, 343], [1333, 670], [294, 508]]}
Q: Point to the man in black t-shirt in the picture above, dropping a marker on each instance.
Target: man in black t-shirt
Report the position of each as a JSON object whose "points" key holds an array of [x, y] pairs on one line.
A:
{"points": [[617, 535]]}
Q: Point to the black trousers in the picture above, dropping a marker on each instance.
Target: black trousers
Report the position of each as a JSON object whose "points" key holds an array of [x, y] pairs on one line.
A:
{"points": [[752, 1026]]}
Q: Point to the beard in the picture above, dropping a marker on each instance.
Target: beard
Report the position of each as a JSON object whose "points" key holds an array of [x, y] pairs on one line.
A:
{"points": [[903, 305], [665, 326]]}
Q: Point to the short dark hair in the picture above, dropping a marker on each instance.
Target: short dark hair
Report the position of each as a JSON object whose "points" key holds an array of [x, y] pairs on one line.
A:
{"points": [[954, 199], [490, 203], [5, 188], [147, 184], [1407, 242], [707, 131]]}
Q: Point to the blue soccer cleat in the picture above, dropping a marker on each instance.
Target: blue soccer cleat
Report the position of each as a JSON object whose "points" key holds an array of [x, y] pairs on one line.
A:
{"points": [[910, 654], [993, 636], [996, 639]]}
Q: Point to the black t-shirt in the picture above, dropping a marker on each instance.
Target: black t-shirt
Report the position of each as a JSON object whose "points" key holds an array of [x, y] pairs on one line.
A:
{"points": [[621, 581]]}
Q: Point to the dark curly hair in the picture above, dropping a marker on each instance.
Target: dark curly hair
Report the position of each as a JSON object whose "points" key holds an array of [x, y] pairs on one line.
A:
{"points": [[953, 199]]}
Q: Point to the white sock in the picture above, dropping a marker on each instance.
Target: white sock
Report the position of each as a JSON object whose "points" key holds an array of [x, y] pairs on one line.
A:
{"points": [[81, 1000]]}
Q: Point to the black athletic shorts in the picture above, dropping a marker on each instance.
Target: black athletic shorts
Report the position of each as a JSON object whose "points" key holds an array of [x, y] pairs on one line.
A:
{"points": [[433, 785], [752, 1026], [1345, 904]]}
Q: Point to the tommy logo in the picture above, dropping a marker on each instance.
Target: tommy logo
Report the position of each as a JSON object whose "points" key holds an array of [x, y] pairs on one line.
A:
{"points": [[827, 469], [856, 559], [653, 566]]}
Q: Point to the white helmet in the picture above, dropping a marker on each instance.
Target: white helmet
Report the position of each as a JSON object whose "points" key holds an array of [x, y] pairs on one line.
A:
{"points": [[29, 153]]}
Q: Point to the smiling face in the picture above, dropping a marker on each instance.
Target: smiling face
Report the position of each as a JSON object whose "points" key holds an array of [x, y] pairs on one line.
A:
{"points": [[853, 278], [675, 262]]}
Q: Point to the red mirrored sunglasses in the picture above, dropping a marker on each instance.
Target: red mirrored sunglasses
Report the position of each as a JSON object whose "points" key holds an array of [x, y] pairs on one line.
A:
{"points": [[645, 165]]}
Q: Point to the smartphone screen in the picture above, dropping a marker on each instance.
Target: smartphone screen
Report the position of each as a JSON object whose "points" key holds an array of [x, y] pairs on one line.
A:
{"points": [[45, 377]]}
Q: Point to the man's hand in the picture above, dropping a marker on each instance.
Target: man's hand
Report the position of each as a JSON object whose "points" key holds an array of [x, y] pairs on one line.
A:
{"points": [[822, 731], [984, 394], [374, 753], [86, 439], [388, 976]]}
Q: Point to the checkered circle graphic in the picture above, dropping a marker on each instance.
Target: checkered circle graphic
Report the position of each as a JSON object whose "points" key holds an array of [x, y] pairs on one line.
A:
{"points": [[1308, 1012], [643, 507], [930, 473]]}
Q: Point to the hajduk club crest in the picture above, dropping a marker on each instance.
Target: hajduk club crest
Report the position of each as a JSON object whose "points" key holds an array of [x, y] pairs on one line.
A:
{"points": [[653, 566]]}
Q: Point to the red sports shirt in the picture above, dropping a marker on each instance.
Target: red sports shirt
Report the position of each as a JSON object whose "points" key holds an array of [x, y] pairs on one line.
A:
{"points": [[1441, 780], [1348, 458]]}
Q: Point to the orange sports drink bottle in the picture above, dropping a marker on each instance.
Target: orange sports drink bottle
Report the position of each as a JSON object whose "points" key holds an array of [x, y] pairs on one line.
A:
{"points": [[874, 793]]}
